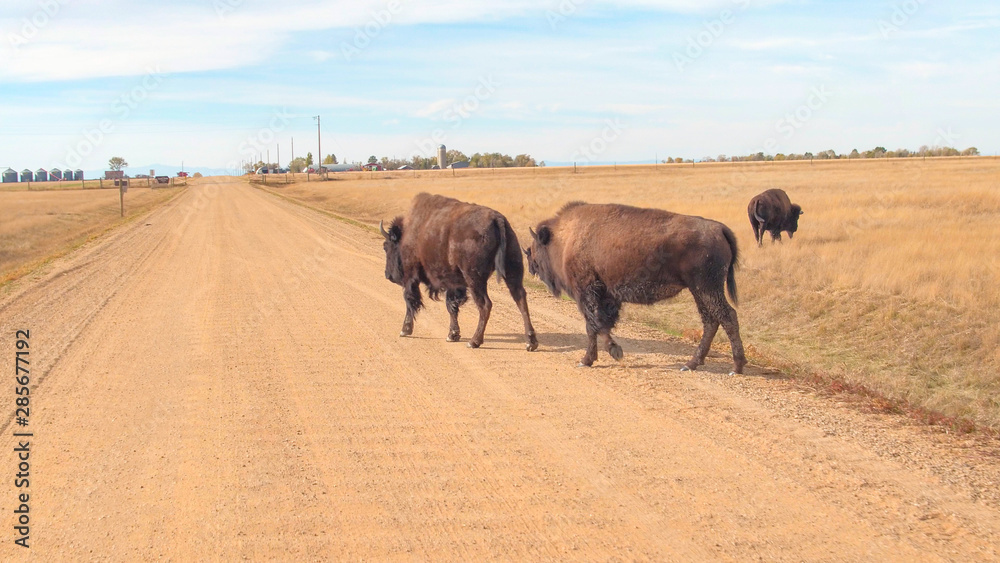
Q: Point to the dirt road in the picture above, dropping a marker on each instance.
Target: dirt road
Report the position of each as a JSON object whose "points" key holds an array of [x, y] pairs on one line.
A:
{"points": [[223, 380]]}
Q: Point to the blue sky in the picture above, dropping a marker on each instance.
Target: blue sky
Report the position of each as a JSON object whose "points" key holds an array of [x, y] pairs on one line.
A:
{"points": [[213, 82]]}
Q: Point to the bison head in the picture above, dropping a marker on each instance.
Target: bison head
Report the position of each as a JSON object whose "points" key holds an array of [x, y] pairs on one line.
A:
{"points": [[393, 255], [539, 261], [792, 221]]}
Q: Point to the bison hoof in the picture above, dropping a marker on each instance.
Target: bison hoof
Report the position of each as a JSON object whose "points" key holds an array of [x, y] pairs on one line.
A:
{"points": [[616, 351], [405, 332], [454, 337], [685, 368], [732, 373], [532, 346], [474, 344]]}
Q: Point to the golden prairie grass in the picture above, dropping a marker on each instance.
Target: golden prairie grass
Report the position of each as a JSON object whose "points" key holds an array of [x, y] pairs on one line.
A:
{"points": [[36, 225], [891, 283]]}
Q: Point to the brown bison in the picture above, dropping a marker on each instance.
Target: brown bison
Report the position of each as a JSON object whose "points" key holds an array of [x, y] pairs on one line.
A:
{"points": [[773, 212], [606, 255], [452, 246]]}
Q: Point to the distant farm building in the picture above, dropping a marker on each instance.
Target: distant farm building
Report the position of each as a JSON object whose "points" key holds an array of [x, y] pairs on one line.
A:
{"points": [[78, 175], [442, 156], [41, 175], [55, 175], [405, 167], [27, 175], [9, 175], [373, 166], [460, 164]]}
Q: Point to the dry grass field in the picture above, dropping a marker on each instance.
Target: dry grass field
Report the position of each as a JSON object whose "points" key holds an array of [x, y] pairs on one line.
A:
{"points": [[891, 284], [35, 225]]}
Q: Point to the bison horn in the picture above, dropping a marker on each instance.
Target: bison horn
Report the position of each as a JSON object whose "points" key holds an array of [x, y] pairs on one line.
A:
{"points": [[381, 228], [533, 234], [801, 212]]}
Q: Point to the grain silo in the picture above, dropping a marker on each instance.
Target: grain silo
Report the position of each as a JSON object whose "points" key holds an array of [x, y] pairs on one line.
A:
{"points": [[41, 175], [78, 175], [27, 175], [55, 175], [442, 157], [9, 175]]}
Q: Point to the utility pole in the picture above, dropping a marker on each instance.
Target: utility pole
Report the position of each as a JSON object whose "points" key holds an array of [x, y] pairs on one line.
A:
{"points": [[319, 143], [279, 155]]}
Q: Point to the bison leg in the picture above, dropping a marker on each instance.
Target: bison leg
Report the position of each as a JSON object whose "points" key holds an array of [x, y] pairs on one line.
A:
{"points": [[715, 310], [521, 298], [611, 346], [710, 326], [588, 359], [731, 324], [455, 298], [411, 294], [482, 300], [600, 310], [758, 230], [775, 236]]}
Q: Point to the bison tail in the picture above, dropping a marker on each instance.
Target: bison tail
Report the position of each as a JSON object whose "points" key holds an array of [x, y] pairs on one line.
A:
{"points": [[756, 214], [731, 277], [501, 257]]}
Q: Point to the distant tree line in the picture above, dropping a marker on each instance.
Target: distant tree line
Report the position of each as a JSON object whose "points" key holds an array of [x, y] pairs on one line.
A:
{"points": [[477, 160], [877, 152]]}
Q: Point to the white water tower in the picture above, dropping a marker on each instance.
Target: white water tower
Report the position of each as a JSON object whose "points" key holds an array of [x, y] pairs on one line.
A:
{"points": [[442, 157]]}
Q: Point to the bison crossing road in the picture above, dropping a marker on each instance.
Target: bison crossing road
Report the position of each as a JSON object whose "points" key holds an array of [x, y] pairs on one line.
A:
{"points": [[454, 247], [606, 255], [773, 212], [601, 255]]}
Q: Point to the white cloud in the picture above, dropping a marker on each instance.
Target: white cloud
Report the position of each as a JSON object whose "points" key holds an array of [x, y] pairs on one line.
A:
{"points": [[92, 39], [435, 108], [635, 109]]}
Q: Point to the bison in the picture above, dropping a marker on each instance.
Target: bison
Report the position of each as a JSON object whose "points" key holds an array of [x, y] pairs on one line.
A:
{"points": [[773, 212], [606, 255], [452, 246]]}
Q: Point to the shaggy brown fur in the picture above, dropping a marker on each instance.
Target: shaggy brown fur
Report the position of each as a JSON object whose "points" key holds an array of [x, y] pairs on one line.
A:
{"points": [[452, 246], [773, 212], [606, 255]]}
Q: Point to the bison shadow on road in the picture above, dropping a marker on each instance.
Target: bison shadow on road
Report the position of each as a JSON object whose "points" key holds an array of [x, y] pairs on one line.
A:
{"points": [[637, 352]]}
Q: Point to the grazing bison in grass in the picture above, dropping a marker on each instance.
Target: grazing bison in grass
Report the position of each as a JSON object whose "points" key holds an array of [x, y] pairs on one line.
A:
{"points": [[773, 212], [606, 255], [453, 247]]}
